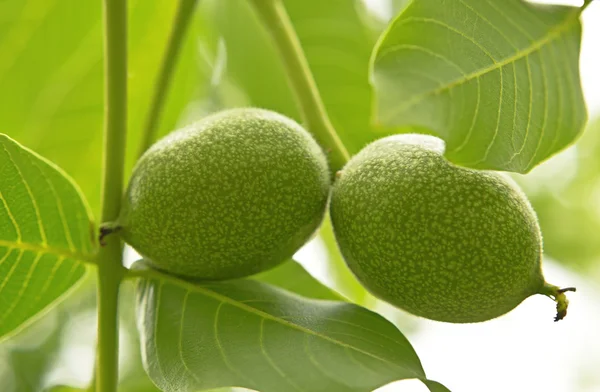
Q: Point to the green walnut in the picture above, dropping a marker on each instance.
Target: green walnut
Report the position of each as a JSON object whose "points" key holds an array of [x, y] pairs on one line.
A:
{"points": [[437, 240], [230, 196]]}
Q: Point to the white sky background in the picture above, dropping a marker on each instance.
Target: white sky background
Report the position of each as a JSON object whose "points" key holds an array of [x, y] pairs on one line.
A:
{"points": [[524, 351]]}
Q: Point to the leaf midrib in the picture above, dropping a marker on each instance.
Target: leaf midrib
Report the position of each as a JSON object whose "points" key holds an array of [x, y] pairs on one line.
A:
{"points": [[45, 249], [222, 298], [535, 46]]}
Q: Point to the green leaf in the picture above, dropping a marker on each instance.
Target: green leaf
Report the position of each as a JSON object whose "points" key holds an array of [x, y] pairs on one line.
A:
{"points": [[292, 277], [337, 38], [497, 80], [45, 231], [250, 334], [435, 386]]}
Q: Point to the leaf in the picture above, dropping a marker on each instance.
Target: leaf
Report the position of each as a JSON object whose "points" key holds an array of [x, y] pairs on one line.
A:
{"points": [[45, 231], [249, 334], [292, 277], [337, 38], [497, 80], [435, 386]]}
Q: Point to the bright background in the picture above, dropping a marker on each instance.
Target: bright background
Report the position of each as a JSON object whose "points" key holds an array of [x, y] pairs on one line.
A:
{"points": [[522, 351]]}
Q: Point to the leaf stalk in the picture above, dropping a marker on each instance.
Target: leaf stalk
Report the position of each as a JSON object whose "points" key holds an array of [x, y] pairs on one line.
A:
{"points": [[110, 267], [181, 22], [279, 25]]}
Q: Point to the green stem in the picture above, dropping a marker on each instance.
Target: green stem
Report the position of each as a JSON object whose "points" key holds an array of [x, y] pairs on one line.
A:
{"points": [[586, 3], [277, 21], [110, 267], [558, 295], [180, 25]]}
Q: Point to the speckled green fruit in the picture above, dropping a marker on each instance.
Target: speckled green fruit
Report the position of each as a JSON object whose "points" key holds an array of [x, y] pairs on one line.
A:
{"points": [[230, 196], [437, 240]]}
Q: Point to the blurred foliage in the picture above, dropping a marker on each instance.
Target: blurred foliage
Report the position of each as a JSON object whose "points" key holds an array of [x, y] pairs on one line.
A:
{"points": [[51, 77], [27, 366], [64, 388], [34, 352], [51, 98], [398, 6], [337, 37], [565, 192]]}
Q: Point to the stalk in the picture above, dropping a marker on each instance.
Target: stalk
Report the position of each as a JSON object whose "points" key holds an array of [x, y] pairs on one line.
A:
{"points": [[110, 267], [279, 25], [558, 295], [181, 22]]}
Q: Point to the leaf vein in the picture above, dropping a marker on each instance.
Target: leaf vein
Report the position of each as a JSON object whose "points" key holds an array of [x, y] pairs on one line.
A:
{"points": [[180, 340], [529, 113], [500, 102], [486, 20], [545, 120], [15, 301], [552, 35], [45, 249], [155, 334], [11, 217], [449, 28], [270, 361], [39, 222], [473, 122], [263, 314], [49, 280], [59, 205], [11, 271], [316, 363], [576, 108], [220, 346]]}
